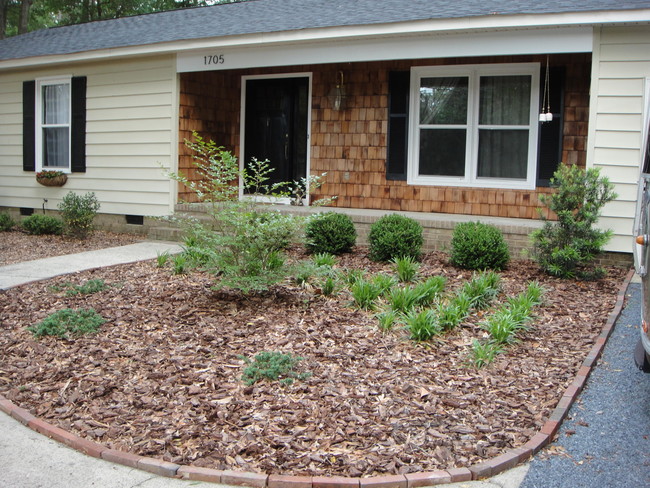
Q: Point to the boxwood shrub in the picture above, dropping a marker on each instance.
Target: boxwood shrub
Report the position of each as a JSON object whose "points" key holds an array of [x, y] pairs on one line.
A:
{"points": [[475, 245], [6, 222], [331, 233], [395, 236], [42, 224]]}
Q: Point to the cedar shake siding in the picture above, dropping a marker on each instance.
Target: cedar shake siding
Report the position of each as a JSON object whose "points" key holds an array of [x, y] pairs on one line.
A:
{"points": [[351, 145]]}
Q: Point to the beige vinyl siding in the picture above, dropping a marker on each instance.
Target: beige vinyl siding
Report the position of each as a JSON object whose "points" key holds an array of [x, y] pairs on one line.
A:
{"points": [[621, 62], [131, 131]]}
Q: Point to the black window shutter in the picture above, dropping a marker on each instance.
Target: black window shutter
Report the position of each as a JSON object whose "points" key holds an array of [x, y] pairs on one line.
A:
{"points": [[29, 126], [78, 125], [398, 107], [549, 148]]}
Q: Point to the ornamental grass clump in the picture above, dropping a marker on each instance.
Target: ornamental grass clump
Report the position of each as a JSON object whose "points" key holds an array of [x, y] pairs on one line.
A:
{"points": [[364, 293], [179, 263], [162, 258], [454, 311], [568, 247], [482, 289], [478, 246], [505, 323], [385, 282], [353, 275], [78, 213], [329, 286], [395, 236], [428, 290], [406, 268], [387, 319], [324, 259], [422, 325], [403, 300], [502, 326], [484, 353]]}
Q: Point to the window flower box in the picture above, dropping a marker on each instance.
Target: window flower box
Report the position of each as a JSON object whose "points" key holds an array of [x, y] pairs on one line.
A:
{"points": [[51, 178]]}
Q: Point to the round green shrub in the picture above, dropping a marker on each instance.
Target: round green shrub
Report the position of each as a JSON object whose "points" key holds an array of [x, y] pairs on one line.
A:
{"points": [[42, 224], [78, 213], [395, 236], [331, 233], [478, 246], [6, 222]]}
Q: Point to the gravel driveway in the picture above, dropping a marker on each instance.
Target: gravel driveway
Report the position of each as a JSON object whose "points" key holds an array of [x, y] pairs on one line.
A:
{"points": [[605, 440]]}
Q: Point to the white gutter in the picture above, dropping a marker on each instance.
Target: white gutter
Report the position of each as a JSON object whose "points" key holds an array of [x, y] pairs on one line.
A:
{"points": [[327, 34]]}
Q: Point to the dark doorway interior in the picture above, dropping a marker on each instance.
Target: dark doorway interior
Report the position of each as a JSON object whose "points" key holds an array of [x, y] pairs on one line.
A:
{"points": [[276, 125]]}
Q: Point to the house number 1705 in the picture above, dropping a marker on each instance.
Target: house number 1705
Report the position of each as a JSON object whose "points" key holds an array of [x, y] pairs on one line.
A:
{"points": [[216, 59]]}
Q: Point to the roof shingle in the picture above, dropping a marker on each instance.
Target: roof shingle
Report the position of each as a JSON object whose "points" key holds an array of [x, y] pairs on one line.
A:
{"points": [[267, 16]]}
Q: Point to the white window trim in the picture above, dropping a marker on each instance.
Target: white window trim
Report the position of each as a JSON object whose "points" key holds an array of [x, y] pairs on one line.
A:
{"points": [[473, 72], [38, 118]]}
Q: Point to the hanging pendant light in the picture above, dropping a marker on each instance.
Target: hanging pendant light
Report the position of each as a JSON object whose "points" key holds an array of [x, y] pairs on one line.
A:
{"points": [[546, 115]]}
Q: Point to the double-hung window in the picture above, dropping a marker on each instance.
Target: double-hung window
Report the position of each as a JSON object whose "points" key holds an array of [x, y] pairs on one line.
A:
{"points": [[474, 125], [53, 123]]}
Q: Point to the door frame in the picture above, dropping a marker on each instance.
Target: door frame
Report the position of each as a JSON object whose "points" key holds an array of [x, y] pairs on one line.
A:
{"points": [[242, 129]]}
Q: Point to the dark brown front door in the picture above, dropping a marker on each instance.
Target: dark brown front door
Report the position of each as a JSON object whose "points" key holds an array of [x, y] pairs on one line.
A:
{"points": [[276, 125]]}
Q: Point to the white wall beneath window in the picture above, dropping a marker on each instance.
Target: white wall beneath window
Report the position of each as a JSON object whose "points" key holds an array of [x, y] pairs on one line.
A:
{"points": [[621, 62], [131, 129]]}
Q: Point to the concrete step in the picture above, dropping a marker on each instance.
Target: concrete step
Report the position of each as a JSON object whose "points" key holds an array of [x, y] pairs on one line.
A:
{"points": [[165, 233]]}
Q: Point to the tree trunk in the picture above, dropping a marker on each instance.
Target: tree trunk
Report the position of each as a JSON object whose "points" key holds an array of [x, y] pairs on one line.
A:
{"points": [[4, 6], [85, 11], [23, 23]]}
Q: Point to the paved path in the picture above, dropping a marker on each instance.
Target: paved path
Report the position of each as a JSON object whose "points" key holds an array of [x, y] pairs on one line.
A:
{"points": [[605, 440], [31, 460], [40, 269]]}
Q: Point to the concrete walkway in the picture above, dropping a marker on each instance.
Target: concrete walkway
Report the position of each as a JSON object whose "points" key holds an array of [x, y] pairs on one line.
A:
{"points": [[31, 460], [41, 269]]}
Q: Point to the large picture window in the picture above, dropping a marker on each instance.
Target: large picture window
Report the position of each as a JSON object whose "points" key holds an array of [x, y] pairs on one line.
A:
{"points": [[53, 125], [474, 125]]}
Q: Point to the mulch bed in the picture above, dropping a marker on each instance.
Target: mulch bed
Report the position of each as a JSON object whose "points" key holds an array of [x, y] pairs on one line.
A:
{"points": [[162, 378], [19, 246]]}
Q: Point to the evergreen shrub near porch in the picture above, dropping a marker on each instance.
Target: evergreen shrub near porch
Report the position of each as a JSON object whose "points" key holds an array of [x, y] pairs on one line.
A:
{"points": [[6, 222], [331, 233], [42, 224], [568, 248], [395, 236], [479, 246], [78, 213]]}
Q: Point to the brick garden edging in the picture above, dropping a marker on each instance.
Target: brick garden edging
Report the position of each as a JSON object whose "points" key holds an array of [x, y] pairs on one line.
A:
{"points": [[485, 469]]}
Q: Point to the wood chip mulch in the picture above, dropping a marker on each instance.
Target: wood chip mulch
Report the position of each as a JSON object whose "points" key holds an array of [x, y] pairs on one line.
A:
{"points": [[162, 378], [16, 246]]}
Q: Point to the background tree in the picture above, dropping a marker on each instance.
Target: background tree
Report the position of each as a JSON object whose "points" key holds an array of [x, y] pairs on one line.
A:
{"points": [[23, 20], [4, 7], [20, 16]]}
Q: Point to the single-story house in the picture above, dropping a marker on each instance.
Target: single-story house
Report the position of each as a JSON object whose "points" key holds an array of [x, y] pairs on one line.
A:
{"points": [[462, 107]]}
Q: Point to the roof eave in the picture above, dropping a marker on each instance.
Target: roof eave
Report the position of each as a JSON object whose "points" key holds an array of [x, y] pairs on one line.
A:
{"points": [[440, 26]]}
